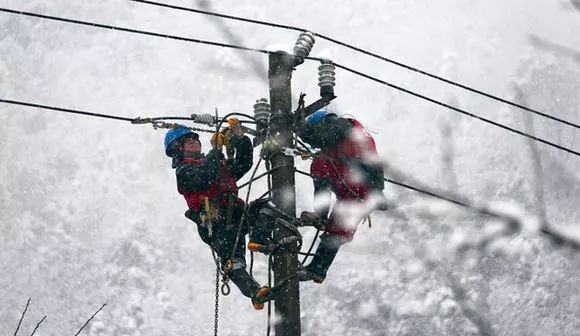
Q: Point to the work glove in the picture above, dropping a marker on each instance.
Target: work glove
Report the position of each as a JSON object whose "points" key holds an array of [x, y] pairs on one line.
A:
{"points": [[218, 140], [236, 126]]}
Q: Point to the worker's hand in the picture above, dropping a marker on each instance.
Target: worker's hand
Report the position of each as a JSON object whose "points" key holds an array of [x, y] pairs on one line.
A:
{"points": [[218, 140], [236, 126]]}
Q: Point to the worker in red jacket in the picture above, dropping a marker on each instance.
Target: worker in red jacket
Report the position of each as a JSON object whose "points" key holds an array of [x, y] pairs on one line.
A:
{"points": [[208, 183], [348, 166]]}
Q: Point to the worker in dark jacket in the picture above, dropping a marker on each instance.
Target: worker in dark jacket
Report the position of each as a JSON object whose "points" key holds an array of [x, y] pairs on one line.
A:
{"points": [[348, 166], [208, 183]]}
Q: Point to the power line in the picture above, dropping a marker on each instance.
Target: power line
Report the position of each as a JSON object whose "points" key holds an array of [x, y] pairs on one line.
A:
{"points": [[224, 45], [456, 109], [366, 52], [156, 122], [455, 200], [136, 31], [66, 110]]}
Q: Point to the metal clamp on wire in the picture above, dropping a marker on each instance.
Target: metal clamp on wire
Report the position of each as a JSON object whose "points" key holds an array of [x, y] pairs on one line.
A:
{"points": [[140, 120], [206, 119], [161, 124], [294, 152], [289, 151]]}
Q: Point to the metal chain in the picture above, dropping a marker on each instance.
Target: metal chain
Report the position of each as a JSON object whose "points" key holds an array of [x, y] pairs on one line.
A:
{"points": [[217, 301], [226, 290]]}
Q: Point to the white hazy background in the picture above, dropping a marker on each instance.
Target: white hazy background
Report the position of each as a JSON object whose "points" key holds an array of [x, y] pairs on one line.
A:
{"points": [[89, 211]]}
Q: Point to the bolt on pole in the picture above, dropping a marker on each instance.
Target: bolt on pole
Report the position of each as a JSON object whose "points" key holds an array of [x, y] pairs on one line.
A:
{"points": [[287, 302]]}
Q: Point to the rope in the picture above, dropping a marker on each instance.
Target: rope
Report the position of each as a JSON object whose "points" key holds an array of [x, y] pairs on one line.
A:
{"points": [[224, 45], [269, 322], [268, 171], [245, 214], [366, 52]]}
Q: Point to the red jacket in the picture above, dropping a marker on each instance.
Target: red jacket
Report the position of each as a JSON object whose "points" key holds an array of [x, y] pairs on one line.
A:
{"points": [[213, 176], [218, 191], [339, 163]]}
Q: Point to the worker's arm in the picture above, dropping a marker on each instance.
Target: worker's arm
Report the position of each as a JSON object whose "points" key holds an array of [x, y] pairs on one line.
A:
{"points": [[329, 132], [243, 161], [374, 174]]}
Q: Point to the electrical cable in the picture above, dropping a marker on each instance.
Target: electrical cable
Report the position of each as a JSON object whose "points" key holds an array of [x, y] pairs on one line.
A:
{"points": [[366, 52], [456, 109], [454, 200], [66, 110], [156, 122], [141, 32], [571, 151]]}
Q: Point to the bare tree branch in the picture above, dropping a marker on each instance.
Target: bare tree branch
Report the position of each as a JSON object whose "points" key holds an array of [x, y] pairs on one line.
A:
{"points": [[257, 66], [536, 161], [89, 320], [482, 325], [38, 325], [480, 322], [553, 47], [22, 317]]}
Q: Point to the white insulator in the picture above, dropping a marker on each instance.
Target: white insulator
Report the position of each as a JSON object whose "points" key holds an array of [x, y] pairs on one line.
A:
{"points": [[326, 72], [262, 110], [304, 44]]}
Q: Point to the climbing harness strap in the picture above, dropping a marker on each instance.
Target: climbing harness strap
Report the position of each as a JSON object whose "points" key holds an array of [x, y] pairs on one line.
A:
{"points": [[230, 211]]}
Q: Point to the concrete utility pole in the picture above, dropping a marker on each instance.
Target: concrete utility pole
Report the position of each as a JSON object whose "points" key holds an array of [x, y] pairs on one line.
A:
{"points": [[287, 302], [281, 128]]}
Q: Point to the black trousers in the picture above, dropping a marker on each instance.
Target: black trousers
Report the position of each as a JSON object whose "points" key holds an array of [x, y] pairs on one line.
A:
{"points": [[224, 232]]}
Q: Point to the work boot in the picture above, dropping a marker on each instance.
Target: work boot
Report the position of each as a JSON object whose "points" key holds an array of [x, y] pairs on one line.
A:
{"points": [[291, 243], [263, 248], [306, 275], [325, 254], [311, 219], [261, 219], [260, 297], [236, 271]]}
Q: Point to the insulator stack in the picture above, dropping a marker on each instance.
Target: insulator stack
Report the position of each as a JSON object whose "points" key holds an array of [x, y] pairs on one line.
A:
{"points": [[326, 79], [304, 44], [262, 111]]}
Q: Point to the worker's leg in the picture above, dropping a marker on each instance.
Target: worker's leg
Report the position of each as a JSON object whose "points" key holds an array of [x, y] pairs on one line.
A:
{"points": [[325, 254], [231, 249], [341, 227], [261, 220]]}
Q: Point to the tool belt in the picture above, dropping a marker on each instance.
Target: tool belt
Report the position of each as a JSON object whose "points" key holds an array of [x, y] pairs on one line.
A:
{"points": [[211, 215]]}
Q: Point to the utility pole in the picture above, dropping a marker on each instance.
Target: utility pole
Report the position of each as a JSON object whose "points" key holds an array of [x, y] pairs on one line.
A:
{"points": [[287, 301], [282, 121]]}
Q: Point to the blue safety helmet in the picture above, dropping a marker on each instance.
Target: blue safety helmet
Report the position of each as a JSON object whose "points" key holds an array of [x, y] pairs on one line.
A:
{"points": [[175, 134], [316, 117]]}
